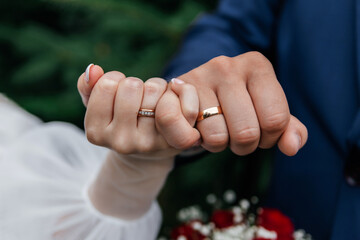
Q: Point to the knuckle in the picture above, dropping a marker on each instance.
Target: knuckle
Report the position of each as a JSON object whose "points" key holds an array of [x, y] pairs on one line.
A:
{"points": [[246, 136], [220, 59], [256, 59], [222, 63], [123, 146], [106, 85], [133, 83], [154, 87], [160, 81], [217, 140], [243, 151], [94, 136], [145, 145], [254, 54], [276, 122], [114, 75], [151, 88]]}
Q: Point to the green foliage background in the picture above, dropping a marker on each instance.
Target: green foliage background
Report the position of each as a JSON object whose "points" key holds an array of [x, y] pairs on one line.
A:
{"points": [[46, 44]]}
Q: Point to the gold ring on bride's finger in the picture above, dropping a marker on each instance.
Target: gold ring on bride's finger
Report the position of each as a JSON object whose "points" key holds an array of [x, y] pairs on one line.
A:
{"points": [[209, 112], [143, 112]]}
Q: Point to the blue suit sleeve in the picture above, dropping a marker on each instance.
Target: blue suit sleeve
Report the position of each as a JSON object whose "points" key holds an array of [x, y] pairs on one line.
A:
{"points": [[237, 26]]}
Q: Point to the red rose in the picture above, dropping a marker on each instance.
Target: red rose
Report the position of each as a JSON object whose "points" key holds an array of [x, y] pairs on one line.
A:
{"points": [[223, 219], [274, 220], [187, 231]]}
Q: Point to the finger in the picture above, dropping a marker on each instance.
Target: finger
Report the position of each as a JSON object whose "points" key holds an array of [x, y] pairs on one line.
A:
{"points": [[189, 99], [270, 103], [87, 81], [154, 88], [172, 125], [294, 137], [127, 104], [213, 130], [240, 117], [148, 137], [99, 113]]}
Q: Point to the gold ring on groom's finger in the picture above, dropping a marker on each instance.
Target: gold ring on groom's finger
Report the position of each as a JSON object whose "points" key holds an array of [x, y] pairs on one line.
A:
{"points": [[143, 112], [209, 112]]}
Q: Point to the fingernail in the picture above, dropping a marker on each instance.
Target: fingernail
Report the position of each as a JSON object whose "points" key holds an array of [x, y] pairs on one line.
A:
{"points": [[84, 101], [87, 72], [177, 81]]}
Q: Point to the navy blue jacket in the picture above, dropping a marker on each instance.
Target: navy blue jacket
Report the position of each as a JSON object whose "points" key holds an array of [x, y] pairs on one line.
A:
{"points": [[314, 47]]}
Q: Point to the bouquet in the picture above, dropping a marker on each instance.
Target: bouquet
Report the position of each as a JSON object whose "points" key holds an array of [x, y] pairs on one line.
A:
{"points": [[240, 222]]}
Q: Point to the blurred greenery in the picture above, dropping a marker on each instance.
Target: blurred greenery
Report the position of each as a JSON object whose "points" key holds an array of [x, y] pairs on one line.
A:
{"points": [[46, 44]]}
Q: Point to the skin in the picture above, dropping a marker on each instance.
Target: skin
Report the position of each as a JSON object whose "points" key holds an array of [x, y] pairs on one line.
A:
{"points": [[255, 114], [112, 102], [255, 109], [139, 158]]}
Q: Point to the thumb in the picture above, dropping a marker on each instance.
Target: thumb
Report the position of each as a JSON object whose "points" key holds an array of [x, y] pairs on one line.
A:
{"points": [[87, 81], [189, 99], [294, 137], [171, 123]]}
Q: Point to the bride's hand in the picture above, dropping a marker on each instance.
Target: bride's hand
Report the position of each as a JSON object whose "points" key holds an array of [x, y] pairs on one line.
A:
{"points": [[128, 182], [113, 101]]}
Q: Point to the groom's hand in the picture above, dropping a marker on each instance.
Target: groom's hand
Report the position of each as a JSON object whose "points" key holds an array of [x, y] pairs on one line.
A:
{"points": [[255, 109]]}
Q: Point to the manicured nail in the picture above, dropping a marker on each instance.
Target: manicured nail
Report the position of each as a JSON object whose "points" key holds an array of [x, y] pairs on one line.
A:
{"points": [[87, 72], [177, 81]]}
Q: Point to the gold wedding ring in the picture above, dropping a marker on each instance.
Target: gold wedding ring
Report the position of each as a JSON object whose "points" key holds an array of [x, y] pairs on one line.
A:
{"points": [[209, 112], [143, 112]]}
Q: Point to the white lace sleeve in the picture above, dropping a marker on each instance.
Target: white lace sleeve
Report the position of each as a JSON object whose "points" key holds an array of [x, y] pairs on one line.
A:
{"points": [[43, 177]]}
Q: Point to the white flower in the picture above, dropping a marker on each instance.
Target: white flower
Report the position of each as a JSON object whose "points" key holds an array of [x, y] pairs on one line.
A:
{"points": [[205, 230], [264, 233], [244, 204], [236, 210], [244, 227], [196, 225], [211, 199], [190, 213], [299, 234], [229, 196], [238, 232], [238, 218]]}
